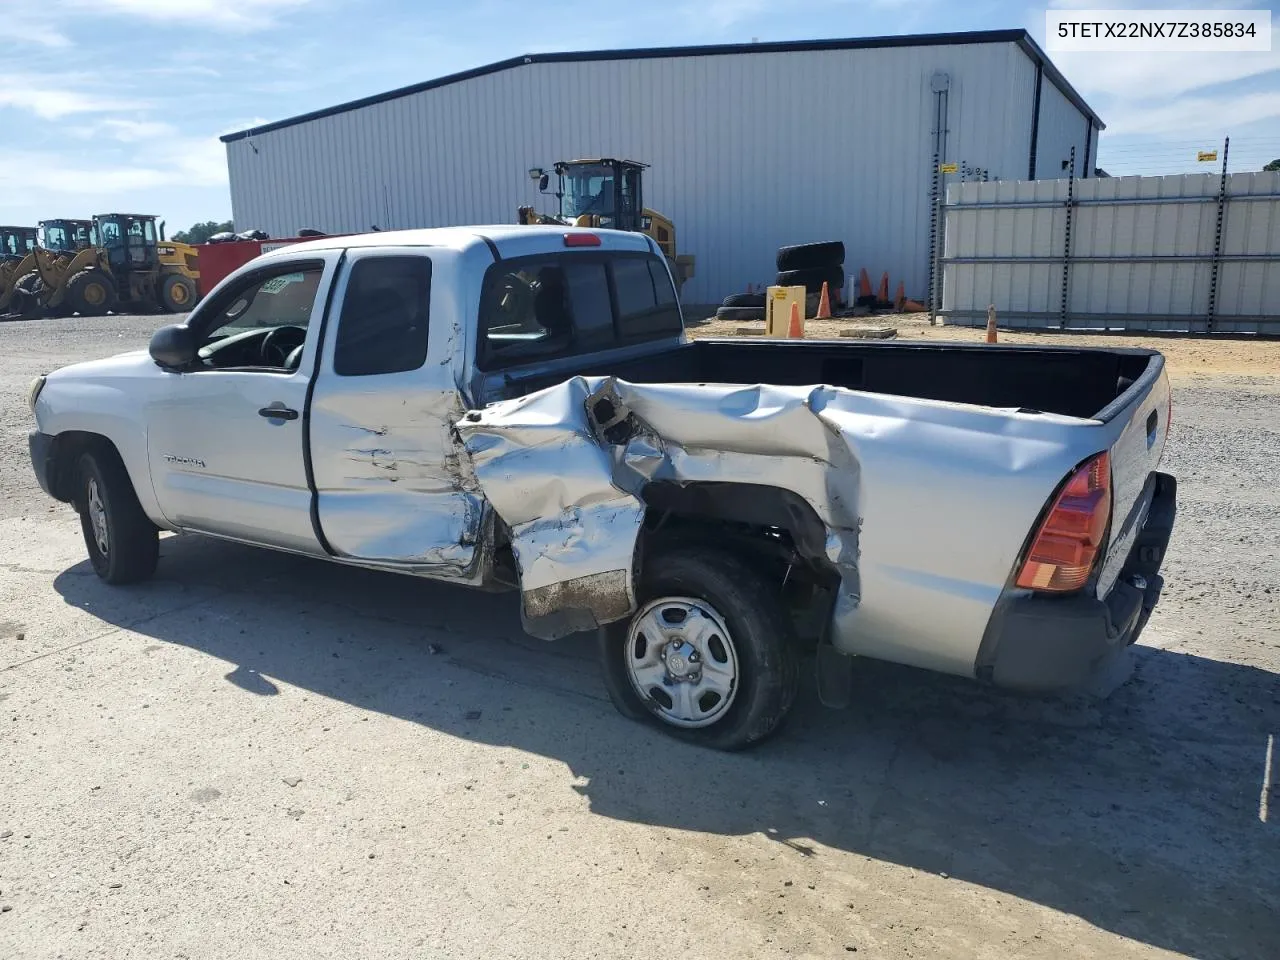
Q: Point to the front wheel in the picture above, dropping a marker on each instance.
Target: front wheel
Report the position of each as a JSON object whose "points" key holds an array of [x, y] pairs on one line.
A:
{"points": [[708, 656], [123, 543]]}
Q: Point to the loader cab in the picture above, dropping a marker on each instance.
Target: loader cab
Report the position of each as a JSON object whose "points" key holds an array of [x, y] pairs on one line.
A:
{"points": [[68, 236], [16, 242], [608, 191], [130, 242]]}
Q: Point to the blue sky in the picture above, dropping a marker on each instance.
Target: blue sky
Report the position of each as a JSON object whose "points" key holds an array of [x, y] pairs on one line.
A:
{"points": [[112, 104]]}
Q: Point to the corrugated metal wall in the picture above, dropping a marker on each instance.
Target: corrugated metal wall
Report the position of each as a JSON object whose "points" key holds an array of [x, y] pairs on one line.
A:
{"points": [[1061, 127], [748, 152], [1141, 256]]}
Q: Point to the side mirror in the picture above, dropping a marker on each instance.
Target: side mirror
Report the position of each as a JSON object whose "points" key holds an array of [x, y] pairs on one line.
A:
{"points": [[174, 347], [542, 183]]}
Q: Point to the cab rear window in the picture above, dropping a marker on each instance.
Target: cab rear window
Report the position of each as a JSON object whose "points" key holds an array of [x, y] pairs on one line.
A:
{"points": [[564, 304]]}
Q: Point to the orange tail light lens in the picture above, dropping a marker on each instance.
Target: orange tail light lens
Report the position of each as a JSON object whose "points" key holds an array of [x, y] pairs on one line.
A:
{"points": [[1070, 537]]}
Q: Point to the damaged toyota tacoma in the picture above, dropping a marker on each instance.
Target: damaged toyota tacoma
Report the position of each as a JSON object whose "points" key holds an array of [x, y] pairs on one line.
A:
{"points": [[519, 408]]}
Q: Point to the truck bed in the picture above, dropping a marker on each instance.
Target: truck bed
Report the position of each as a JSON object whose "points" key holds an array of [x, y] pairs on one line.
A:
{"points": [[1062, 380]]}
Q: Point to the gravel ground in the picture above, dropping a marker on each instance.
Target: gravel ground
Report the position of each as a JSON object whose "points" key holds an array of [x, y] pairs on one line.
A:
{"points": [[258, 755]]}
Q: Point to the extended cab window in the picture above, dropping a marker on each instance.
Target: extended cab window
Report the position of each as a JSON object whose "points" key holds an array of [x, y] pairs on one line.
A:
{"points": [[383, 326], [646, 298], [566, 304]]}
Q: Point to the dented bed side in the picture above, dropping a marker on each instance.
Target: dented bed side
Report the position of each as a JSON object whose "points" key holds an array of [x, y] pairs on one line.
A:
{"points": [[926, 504]]}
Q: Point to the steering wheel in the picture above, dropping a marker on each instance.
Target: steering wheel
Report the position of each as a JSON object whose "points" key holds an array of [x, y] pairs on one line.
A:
{"points": [[279, 344]]}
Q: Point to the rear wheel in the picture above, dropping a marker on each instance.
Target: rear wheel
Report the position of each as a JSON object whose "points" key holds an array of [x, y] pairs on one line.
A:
{"points": [[177, 293], [709, 656], [89, 293], [123, 543]]}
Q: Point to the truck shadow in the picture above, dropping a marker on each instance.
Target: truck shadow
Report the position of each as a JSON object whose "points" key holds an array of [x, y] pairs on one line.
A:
{"points": [[1139, 814]]}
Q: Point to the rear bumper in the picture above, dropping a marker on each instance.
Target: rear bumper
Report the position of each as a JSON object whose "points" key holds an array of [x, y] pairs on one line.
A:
{"points": [[1056, 643]]}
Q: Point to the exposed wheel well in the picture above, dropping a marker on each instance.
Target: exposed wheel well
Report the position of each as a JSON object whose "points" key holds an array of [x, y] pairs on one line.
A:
{"points": [[67, 449], [775, 530]]}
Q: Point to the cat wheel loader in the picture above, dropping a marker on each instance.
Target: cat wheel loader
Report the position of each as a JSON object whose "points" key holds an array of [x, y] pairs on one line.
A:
{"points": [[67, 236], [16, 246], [608, 193], [126, 268]]}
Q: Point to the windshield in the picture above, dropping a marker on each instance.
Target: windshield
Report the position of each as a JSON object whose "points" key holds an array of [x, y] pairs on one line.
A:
{"points": [[588, 189], [55, 237]]}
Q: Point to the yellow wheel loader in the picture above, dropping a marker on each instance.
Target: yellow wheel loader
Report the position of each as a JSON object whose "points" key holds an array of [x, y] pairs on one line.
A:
{"points": [[608, 193], [16, 260], [67, 236], [126, 269]]}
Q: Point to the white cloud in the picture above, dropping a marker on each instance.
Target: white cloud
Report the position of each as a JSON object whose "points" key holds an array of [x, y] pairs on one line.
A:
{"points": [[185, 162], [23, 29], [1194, 116], [49, 102], [133, 131], [1160, 75], [242, 15]]}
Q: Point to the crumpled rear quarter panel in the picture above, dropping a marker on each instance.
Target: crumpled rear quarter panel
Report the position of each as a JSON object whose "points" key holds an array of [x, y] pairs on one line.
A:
{"points": [[927, 504]]}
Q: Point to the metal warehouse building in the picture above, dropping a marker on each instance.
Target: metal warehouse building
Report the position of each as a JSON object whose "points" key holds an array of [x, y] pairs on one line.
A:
{"points": [[751, 146]]}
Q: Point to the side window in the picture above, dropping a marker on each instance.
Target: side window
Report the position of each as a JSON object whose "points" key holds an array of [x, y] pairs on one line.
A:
{"points": [[646, 298], [544, 307], [383, 325], [261, 322], [274, 300]]}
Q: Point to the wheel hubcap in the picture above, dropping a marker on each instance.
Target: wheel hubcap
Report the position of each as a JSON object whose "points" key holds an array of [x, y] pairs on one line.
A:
{"points": [[98, 517], [682, 662]]}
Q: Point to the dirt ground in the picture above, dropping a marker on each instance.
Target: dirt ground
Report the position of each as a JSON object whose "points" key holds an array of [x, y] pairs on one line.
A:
{"points": [[1186, 356], [262, 756]]}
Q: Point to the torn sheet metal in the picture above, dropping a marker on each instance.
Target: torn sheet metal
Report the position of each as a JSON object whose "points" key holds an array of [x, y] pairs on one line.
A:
{"points": [[573, 531], [926, 504]]}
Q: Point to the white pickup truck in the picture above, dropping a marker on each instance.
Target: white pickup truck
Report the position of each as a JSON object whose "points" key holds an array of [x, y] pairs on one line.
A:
{"points": [[519, 408]]}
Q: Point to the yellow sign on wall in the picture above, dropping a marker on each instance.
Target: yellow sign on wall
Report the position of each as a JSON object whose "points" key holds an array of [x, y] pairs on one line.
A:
{"points": [[949, 168], [1207, 156]]}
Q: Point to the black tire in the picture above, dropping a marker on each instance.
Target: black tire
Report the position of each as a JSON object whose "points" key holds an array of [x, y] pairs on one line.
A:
{"points": [[177, 293], [90, 293], [808, 256], [27, 290], [812, 278], [758, 628], [132, 542], [744, 300], [740, 313]]}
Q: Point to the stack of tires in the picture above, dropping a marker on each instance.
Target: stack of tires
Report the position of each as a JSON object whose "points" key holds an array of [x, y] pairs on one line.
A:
{"points": [[810, 265], [742, 306]]}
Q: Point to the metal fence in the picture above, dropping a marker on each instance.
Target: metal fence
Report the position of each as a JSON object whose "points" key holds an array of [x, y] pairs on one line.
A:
{"points": [[1196, 253]]}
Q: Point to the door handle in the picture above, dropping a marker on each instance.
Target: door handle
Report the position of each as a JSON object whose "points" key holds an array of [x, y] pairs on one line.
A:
{"points": [[278, 413]]}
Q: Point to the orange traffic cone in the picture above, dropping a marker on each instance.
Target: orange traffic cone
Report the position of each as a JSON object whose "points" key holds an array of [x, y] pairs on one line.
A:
{"points": [[795, 330], [991, 323], [883, 298], [864, 284], [900, 297], [824, 303]]}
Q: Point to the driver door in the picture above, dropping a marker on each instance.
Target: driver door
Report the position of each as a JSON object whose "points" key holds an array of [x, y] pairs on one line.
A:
{"points": [[225, 440]]}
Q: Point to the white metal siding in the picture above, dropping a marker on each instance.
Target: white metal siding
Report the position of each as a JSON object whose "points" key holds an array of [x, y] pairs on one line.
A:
{"points": [[748, 152], [1062, 127], [1107, 287]]}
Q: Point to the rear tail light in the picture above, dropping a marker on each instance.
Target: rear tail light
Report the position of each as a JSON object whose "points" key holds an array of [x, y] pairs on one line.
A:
{"points": [[581, 240], [1070, 538]]}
